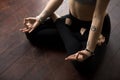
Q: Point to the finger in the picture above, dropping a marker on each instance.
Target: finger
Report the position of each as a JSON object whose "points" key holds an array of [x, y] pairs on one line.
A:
{"points": [[28, 25], [20, 29], [71, 57], [31, 30], [27, 30], [27, 21], [30, 18], [24, 21], [24, 30], [33, 27]]}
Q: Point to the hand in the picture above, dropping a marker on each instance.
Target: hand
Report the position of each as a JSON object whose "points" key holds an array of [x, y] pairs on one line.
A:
{"points": [[30, 24], [79, 56]]}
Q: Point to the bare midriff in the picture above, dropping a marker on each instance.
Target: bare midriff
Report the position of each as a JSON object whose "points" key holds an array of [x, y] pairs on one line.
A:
{"points": [[81, 11]]}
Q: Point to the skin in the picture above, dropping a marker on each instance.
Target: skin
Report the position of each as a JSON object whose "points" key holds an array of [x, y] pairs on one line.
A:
{"points": [[81, 11]]}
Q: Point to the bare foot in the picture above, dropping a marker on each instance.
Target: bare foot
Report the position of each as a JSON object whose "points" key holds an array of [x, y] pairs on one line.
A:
{"points": [[101, 40], [82, 31], [55, 16]]}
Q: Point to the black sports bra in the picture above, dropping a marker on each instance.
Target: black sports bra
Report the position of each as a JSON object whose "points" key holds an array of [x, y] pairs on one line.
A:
{"points": [[91, 2]]}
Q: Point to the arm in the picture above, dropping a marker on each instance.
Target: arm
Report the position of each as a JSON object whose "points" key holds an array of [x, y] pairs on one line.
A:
{"points": [[95, 30], [32, 22], [49, 9], [97, 23]]}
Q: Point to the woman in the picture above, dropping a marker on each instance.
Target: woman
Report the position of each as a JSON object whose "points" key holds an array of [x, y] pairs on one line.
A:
{"points": [[86, 26]]}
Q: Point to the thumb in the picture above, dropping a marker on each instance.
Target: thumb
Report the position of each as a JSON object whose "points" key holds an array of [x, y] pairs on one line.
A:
{"points": [[34, 26], [71, 57]]}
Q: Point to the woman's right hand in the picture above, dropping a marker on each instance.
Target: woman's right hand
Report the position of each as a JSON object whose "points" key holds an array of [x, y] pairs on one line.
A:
{"points": [[30, 24]]}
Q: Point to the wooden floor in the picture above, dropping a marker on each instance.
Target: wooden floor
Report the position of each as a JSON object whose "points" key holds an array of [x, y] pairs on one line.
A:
{"points": [[19, 60]]}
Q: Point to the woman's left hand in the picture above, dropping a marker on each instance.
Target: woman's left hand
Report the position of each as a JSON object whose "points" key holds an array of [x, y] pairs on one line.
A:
{"points": [[79, 56]]}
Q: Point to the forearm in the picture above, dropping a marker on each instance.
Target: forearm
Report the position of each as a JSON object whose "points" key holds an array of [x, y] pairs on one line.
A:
{"points": [[95, 31], [97, 23], [49, 9]]}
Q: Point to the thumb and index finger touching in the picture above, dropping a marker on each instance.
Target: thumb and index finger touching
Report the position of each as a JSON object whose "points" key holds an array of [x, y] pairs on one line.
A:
{"points": [[34, 26], [26, 21]]}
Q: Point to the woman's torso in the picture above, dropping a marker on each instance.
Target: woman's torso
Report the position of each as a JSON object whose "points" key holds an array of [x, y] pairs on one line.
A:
{"points": [[82, 9]]}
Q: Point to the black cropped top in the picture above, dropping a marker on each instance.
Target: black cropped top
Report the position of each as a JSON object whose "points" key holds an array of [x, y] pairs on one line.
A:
{"points": [[91, 2]]}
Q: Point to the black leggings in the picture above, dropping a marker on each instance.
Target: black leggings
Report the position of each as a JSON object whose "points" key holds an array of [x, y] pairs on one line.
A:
{"points": [[50, 33]]}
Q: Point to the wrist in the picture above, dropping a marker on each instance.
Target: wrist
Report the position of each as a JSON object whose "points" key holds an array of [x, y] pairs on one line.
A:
{"points": [[91, 52], [40, 19]]}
